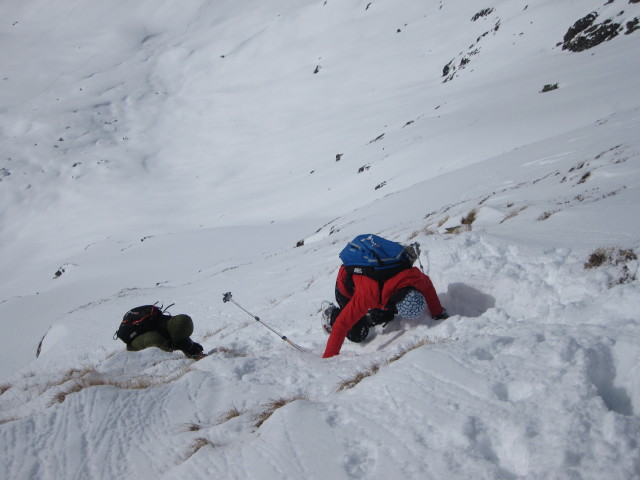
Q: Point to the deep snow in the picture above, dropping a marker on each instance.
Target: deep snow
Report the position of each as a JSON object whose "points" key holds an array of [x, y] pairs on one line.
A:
{"points": [[171, 153]]}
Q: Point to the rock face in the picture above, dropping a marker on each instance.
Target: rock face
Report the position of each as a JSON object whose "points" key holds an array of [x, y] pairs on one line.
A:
{"points": [[453, 68], [587, 33]]}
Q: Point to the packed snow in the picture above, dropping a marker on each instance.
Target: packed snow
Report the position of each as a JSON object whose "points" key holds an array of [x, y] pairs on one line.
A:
{"points": [[171, 152]]}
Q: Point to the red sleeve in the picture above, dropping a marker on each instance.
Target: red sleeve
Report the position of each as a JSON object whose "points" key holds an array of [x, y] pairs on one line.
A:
{"points": [[413, 277], [365, 297]]}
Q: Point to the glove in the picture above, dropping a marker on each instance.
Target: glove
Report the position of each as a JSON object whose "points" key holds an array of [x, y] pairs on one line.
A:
{"points": [[443, 316], [378, 316], [190, 348], [195, 350]]}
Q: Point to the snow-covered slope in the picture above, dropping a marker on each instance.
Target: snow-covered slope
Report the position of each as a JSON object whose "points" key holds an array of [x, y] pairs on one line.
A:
{"points": [[164, 152]]}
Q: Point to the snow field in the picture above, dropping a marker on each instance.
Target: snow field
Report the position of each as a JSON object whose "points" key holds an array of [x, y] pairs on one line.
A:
{"points": [[172, 154]]}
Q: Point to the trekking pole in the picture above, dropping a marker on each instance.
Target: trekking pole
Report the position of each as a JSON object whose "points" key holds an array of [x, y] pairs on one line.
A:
{"points": [[227, 297]]}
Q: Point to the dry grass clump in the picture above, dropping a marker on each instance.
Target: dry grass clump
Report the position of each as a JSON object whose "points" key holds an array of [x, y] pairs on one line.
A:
{"points": [[611, 256], [412, 346], [598, 258], [233, 412], [615, 257], [465, 223], [230, 351], [76, 380], [469, 218], [211, 333], [196, 445], [543, 216], [192, 427], [513, 213], [74, 388], [375, 367], [272, 405], [358, 377]]}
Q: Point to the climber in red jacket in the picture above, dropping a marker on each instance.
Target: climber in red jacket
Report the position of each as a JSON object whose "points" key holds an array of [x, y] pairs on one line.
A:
{"points": [[364, 302]]}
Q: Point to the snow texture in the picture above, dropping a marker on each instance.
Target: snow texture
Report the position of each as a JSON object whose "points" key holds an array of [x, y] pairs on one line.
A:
{"points": [[174, 151]]}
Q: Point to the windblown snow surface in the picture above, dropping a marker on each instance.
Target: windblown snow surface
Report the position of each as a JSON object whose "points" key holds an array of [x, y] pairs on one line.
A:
{"points": [[174, 151]]}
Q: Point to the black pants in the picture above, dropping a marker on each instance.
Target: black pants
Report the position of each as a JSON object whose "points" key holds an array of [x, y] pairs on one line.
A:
{"points": [[376, 316]]}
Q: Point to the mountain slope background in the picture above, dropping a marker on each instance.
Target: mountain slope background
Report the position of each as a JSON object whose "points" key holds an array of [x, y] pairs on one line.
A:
{"points": [[173, 153]]}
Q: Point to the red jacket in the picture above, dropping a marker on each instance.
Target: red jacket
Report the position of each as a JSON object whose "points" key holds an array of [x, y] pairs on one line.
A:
{"points": [[367, 295]]}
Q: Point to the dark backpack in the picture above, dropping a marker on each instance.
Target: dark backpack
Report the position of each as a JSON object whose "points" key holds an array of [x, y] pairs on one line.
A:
{"points": [[376, 257], [139, 320]]}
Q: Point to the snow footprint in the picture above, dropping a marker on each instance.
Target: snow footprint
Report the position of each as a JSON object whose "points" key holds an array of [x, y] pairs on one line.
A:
{"points": [[358, 461], [601, 372]]}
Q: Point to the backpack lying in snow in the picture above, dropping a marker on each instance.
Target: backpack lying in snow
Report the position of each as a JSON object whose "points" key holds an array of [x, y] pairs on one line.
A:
{"points": [[139, 320], [377, 257]]}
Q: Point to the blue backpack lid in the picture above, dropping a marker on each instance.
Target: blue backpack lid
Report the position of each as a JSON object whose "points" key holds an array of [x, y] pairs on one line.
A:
{"points": [[369, 250]]}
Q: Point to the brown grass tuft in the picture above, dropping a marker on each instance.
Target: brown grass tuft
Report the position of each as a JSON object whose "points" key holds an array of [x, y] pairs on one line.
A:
{"points": [[609, 255], [403, 351], [88, 377], [469, 218], [196, 445], [358, 377], [229, 351], [598, 257], [211, 333], [513, 213], [233, 412], [272, 405], [375, 367], [614, 257], [545, 215]]}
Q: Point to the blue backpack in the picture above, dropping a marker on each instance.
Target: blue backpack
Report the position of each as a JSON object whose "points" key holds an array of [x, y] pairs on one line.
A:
{"points": [[376, 257]]}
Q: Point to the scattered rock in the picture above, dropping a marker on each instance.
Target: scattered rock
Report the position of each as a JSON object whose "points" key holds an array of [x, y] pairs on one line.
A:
{"points": [[482, 13], [63, 269], [39, 349], [632, 25], [379, 137], [451, 70], [584, 177], [549, 87]]}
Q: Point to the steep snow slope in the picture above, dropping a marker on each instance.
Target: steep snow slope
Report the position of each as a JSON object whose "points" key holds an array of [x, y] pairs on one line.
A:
{"points": [[173, 153]]}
